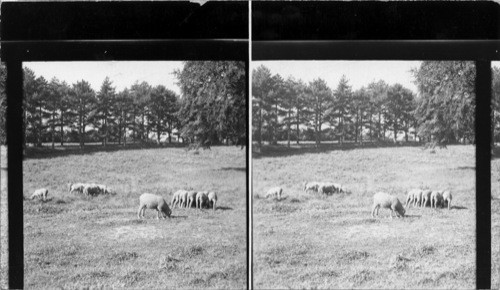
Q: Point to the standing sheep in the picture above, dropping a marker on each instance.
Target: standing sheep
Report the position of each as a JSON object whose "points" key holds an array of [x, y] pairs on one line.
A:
{"points": [[94, 189], [417, 198], [176, 198], [447, 198], [40, 193], [384, 200], [311, 186], [409, 198], [212, 200], [201, 199], [76, 187], [183, 197], [274, 192], [152, 201], [426, 197], [191, 197], [436, 198]]}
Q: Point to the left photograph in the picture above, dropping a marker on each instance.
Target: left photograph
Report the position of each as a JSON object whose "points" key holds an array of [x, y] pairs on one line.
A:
{"points": [[134, 174]]}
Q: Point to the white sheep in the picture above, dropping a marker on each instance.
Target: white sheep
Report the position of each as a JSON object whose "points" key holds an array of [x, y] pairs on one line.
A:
{"points": [[212, 199], [447, 198], [426, 197], [40, 193], [152, 201], [176, 198], [417, 198], [274, 192], [409, 198], [76, 187], [384, 200], [201, 199], [436, 198], [183, 198], [311, 186], [340, 187], [191, 197]]}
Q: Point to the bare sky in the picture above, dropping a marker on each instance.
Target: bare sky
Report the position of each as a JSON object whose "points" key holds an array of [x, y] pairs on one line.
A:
{"points": [[359, 73], [123, 74]]}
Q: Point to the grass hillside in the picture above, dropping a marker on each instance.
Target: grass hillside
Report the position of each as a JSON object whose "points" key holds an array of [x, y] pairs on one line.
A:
{"points": [[310, 241], [73, 241]]}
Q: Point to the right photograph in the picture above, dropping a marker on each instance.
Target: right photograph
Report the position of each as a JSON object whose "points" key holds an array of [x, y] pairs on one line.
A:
{"points": [[364, 174]]}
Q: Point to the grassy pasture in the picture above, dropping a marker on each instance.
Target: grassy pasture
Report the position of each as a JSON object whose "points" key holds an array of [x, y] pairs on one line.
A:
{"points": [[73, 241], [310, 241]]}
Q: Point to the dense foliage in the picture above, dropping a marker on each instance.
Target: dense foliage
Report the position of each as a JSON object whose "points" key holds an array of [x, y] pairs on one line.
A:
{"points": [[319, 113], [441, 112], [212, 108]]}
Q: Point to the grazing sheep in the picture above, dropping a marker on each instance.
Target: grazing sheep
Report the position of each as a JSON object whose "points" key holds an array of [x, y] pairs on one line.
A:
{"points": [[76, 187], [384, 200], [417, 198], [436, 198], [447, 198], [325, 188], [311, 186], [176, 198], [212, 199], [94, 189], [191, 197], [183, 197], [40, 193], [426, 197], [152, 201], [274, 192], [201, 199], [340, 188]]}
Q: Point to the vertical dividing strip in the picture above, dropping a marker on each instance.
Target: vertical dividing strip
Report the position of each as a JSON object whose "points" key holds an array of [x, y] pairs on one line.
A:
{"points": [[15, 136], [483, 174]]}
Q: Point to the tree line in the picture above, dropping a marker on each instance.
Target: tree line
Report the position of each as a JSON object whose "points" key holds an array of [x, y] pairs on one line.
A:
{"points": [[210, 110], [442, 111]]}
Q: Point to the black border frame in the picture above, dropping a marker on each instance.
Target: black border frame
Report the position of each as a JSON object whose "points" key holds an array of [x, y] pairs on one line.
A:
{"points": [[91, 31], [275, 36]]}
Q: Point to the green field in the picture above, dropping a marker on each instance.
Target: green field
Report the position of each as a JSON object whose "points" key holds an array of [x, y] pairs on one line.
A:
{"points": [[311, 241], [73, 241]]}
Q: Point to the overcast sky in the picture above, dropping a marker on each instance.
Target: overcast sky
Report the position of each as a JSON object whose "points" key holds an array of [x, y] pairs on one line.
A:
{"points": [[123, 74], [359, 73]]}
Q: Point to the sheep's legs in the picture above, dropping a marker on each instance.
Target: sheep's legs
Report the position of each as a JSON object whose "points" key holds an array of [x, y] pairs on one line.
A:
{"points": [[375, 208], [139, 212]]}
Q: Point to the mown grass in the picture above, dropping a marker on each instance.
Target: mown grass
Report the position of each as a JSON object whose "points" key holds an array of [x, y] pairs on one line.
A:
{"points": [[311, 241], [73, 241]]}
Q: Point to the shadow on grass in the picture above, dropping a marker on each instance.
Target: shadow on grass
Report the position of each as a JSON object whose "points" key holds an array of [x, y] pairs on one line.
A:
{"points": [[466, 168], [458, 207], [243, 169], [66, 150], [283, 150], [415, 216], [179, 216], [224, 208]]}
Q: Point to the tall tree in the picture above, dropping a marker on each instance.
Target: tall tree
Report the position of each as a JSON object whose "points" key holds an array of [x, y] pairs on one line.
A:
{"points": [[378, 96], [288, 102], [141, 93], [163, 108], [300, 104], [103, 112], [341, 108], [261, 88], [399, 106], [83, 98], [445, 107], [213, 101], [53, 103], [320, 100]]}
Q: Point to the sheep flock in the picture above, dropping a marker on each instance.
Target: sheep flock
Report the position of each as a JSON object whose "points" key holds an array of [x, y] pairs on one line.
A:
{"points": [[180, 198], [416, 197]]}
